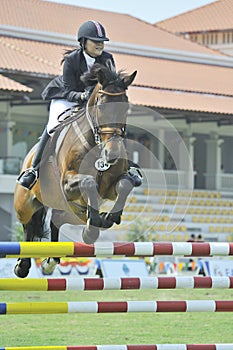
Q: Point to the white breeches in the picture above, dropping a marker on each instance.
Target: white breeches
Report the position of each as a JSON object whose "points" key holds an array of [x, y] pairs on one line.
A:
{"points": [[59, 111]]}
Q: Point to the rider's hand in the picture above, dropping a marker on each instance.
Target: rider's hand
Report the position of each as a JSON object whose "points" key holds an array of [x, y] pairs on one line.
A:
{"points": [[84, 96]]}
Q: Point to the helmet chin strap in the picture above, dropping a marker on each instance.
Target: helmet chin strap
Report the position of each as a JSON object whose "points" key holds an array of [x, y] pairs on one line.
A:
{"points": [[82, 43], [89, 54]]}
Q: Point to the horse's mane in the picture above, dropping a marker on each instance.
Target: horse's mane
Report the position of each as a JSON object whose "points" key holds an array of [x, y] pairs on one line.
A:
{"points": [[111, 76]]}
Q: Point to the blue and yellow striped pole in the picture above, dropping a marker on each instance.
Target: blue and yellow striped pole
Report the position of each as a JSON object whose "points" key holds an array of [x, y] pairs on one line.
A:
{"points": [[33, 308], [36, 249]]}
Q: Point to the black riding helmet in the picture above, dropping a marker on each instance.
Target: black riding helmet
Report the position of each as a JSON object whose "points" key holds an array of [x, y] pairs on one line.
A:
{"points": [[92, 30]]}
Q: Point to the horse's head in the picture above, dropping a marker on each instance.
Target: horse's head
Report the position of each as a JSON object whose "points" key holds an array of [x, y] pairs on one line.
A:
{"points": [[107, 108]]}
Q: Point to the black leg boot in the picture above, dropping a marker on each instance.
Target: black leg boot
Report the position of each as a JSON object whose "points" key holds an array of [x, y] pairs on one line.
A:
{"points": [[135, 174], [28, 178]]}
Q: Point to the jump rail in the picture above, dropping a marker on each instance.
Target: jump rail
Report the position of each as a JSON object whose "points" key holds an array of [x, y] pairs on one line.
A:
{"points": [[77, 249], [130, 347], [70, 249], [116, 306], [61, 284]]}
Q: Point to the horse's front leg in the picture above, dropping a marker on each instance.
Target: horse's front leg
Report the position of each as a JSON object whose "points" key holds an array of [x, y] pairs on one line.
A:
{"points": [[84, 188], [123, 188], [91, 232]]}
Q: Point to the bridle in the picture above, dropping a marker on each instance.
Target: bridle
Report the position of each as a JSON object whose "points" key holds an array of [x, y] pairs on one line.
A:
{"points": [[111, 93], [93, 121]]}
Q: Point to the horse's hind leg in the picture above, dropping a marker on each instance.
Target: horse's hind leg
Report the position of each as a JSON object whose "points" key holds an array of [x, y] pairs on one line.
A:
{"points": [[23, 264], [34, 229], [48, 265]]}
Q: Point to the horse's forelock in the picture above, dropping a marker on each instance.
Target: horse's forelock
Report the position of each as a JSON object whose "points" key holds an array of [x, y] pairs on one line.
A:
{"points": [[91, 78]]}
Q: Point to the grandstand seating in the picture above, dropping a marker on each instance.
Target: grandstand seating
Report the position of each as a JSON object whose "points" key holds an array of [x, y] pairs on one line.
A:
{"points": [[170, 215]]}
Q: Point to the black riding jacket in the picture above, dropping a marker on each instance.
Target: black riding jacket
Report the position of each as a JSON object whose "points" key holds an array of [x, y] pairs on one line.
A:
{"points": [[69, 86]]}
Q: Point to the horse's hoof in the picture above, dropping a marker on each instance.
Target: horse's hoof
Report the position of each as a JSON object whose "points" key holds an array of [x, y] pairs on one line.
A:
{"points": [[48, 265], [95, 221], [115, 217], [90, 235], [22, 268]]}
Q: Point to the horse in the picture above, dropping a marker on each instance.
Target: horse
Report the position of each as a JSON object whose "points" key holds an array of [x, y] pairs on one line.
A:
{"points": [[84, 165]]}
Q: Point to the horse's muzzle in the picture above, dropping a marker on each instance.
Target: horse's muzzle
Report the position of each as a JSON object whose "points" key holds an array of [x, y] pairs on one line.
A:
{"points": [[112, 156]]}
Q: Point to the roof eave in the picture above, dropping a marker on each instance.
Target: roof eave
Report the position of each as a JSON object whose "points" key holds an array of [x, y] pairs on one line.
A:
{"points": [[119, 47]]}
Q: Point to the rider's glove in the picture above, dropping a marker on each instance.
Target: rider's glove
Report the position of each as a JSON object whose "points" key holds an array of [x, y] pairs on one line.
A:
{"points": [[84, 96]]}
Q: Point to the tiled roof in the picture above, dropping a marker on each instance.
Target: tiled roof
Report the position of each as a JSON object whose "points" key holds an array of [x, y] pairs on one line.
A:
{"points": [[30, 56], [65, 19], [181, 100], [175, 75], [10, 85], [44, 59], [160, 83], [214, 16]]}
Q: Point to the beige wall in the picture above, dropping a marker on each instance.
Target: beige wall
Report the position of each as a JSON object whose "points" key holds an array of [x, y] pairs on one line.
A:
{"points": [[222, 41]]}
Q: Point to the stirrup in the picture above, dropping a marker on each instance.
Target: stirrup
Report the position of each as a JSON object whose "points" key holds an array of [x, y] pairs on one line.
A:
{"points": [[28, 178]]}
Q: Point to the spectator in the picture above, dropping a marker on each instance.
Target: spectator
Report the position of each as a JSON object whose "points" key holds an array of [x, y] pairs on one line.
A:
{"points": [[200, 239], [192, 238]]}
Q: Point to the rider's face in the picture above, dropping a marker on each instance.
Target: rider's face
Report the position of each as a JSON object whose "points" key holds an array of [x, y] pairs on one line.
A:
{"points": [[94, 48]]}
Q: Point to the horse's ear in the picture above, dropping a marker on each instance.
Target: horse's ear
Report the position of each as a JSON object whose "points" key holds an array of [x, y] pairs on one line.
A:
{"points": [[127, 80], [110, 65]]}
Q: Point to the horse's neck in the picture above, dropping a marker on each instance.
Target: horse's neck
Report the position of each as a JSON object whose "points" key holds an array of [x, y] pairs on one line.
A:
{"points": [[74, 130]]}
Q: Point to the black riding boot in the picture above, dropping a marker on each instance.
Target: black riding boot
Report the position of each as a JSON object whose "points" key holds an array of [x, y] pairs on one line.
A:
{"points": [[28, 178]]}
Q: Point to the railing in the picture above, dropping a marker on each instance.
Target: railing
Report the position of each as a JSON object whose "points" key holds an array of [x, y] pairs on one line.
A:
{"points": [[219, 181], [169, 178], [10, 165], [159, 177], [226, 182]]}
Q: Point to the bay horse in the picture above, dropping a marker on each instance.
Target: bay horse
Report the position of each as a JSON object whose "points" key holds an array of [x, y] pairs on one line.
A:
{"points": [[84, 164]]}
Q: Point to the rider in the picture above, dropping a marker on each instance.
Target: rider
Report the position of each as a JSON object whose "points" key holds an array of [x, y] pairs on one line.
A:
{"points": [[68, 91]]}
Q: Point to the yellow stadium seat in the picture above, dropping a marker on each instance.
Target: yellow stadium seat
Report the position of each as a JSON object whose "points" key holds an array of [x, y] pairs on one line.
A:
{"points": [[179, 237], [155, 237], [133, 199], [162, 228]]}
